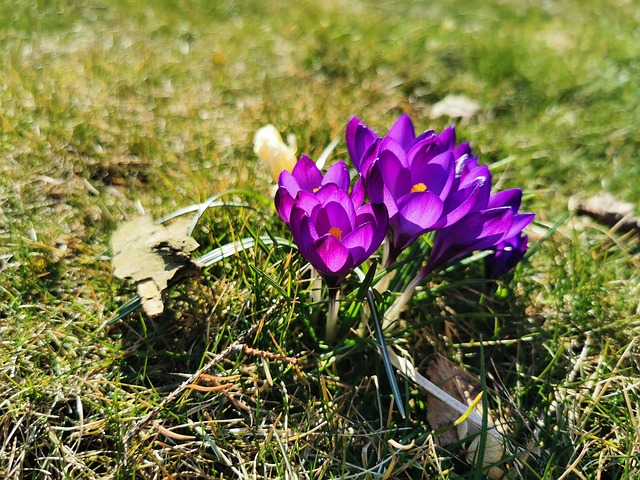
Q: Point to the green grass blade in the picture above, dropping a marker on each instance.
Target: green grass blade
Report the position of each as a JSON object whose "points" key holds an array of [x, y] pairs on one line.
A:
{"points": [[385, 355]]}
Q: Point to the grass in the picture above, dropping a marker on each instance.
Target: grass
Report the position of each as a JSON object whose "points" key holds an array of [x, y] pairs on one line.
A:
{"points": [[107, 108]]}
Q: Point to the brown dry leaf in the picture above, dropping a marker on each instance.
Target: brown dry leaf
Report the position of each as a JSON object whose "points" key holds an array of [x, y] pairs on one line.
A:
{"points": [[455, 106], [608, 210], [457, 383], [463, 386], [152, 256], [457, 388]]}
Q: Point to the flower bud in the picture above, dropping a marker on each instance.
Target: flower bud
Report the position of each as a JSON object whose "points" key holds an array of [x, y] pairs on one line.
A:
{"points": [[271, 149]]}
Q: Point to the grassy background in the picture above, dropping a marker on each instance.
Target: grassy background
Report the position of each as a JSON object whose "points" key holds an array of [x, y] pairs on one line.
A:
{"points": [[109, 107]]}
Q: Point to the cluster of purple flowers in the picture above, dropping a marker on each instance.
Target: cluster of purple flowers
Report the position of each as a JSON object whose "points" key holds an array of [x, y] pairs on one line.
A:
{"points": [[414, 184]]}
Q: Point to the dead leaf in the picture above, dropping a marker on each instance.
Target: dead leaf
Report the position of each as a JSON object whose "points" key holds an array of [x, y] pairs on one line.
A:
{"points": [[457, 383], [455, 106], [153, 256], [463, 386], [607, 209], [455, 389]]}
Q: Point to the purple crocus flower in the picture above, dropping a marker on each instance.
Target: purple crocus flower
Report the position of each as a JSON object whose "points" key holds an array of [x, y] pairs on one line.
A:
{"points": [[426, 182], [335, 232], [362, 141], [507, 254], [306, 177], [413, 187], [480, 230]]}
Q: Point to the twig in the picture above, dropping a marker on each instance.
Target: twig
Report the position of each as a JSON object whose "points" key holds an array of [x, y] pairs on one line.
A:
{"points": [[269, 355], [236, 346]]}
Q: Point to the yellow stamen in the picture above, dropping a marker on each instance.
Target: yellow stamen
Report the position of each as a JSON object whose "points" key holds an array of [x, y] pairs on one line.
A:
{"points": [[419, 187], [336, 232], [316, 189]]}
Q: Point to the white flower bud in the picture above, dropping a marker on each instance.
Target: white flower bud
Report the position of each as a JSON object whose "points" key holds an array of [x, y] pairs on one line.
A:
{"points": [[269, 147]]}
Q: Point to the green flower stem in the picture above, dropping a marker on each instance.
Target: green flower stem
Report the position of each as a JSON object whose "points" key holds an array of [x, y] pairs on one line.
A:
{"points": [[316, 286], [332, 316], [393, 312], [383, 285], [386, 251]]}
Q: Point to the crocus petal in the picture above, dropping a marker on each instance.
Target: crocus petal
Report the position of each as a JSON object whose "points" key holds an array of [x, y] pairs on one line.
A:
{"points": [[507, 255], [417, 213], [359, 237], [303, 230], [465, 164], [471, 195], [403, 132], [334, 256], [304, 235], [422, 152], [366, 214], [459, 204], [284, 203], [426, 135], [437, 174], [462, 150], [341, 197], [308, 202], [338, 173], [378, 217], [479, 176], [289, 183], [359, 138], [520, 221], [369, 156], [357, 193], [358, 242], [378, 192], [392, 162], [506, 198], [388, 146], [375, 184], [495, 225], [307, 174], [422, 209], [476, 231], [329, 191], [334, 215], [448, 138]]}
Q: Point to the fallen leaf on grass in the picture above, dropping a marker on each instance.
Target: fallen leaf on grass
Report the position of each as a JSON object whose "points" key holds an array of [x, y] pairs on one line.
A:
{"points": [[465, 410], [463, 386], [153, 256], [457, 383], [608, 210]]}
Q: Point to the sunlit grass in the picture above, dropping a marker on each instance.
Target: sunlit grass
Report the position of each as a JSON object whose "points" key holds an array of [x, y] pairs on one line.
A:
{"points": [[113, 108]]}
